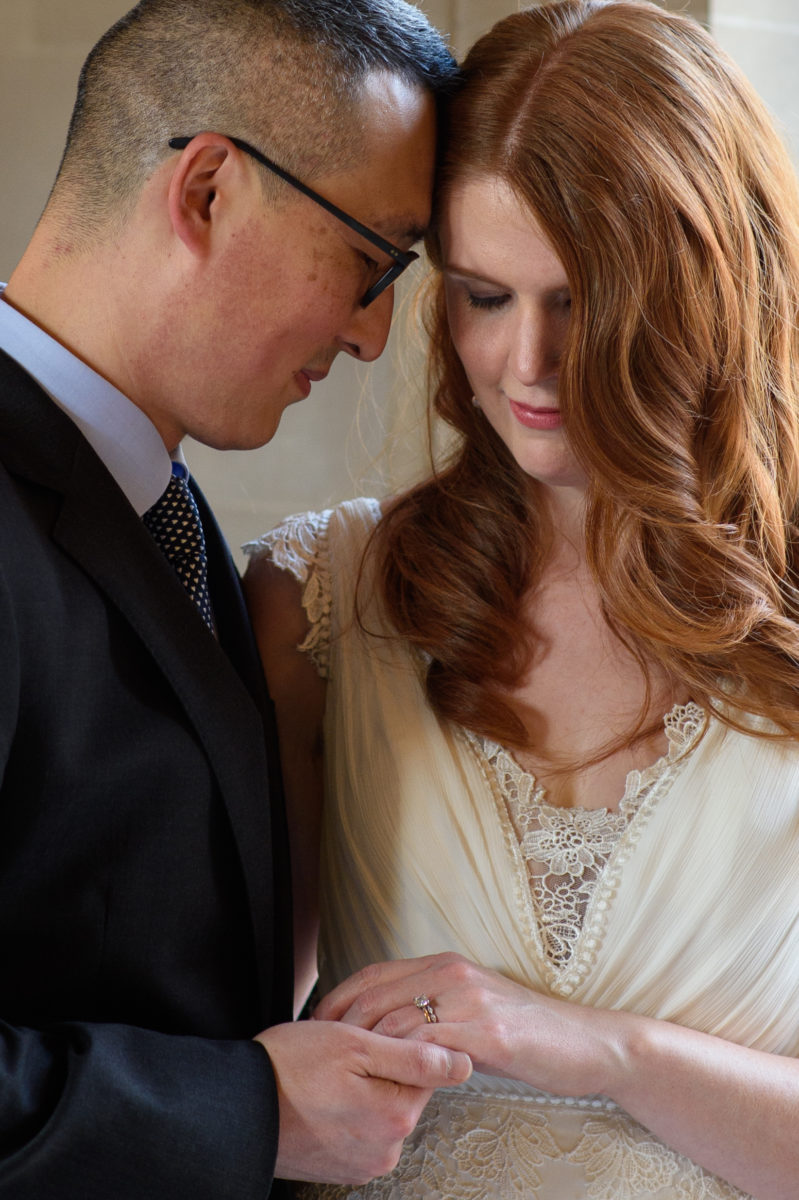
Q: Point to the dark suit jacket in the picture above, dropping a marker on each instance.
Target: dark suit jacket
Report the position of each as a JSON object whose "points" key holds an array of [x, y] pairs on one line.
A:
{"points": [[144, 897]]}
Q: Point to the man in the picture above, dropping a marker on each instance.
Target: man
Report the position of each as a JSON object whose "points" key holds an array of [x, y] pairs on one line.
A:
{"points": [[178, 283]]}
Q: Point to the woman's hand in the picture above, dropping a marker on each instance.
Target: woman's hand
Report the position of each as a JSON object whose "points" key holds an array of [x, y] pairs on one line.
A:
{"points": [[505, 1028], [728, 1107]]}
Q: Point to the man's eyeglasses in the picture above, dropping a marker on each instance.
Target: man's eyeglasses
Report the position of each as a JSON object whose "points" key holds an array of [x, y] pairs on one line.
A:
{"points": [[400, 258]]}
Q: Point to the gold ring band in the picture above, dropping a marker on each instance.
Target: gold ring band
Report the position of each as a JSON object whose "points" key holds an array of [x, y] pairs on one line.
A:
{"points": [[424, 1005]]}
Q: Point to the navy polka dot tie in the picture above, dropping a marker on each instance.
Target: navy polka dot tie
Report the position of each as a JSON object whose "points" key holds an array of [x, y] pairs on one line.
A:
{"points": [[175, 524]]}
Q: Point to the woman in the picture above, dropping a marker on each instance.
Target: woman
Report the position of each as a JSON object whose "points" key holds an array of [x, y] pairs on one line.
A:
{"points": [[561, 675]]}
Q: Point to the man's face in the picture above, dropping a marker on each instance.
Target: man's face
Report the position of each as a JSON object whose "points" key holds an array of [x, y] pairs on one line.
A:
{"points": [[283, 299]]}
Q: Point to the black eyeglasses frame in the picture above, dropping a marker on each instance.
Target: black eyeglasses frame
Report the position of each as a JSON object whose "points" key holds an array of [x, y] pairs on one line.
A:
{"points": [[401, 258]]}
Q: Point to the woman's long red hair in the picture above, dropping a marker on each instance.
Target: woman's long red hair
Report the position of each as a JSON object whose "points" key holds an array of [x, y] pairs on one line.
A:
{"points": [[657, 176]]}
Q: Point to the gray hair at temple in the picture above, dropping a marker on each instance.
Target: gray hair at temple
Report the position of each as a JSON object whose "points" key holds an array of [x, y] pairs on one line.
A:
{"points": [[285, 75]]}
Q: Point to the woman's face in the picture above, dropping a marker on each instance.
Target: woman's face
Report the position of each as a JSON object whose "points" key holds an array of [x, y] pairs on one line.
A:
{"points": [[508, 304]]}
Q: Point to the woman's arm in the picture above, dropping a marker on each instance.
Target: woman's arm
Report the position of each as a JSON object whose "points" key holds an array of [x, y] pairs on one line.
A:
{"points": [[733, 1110], [274, 598]]}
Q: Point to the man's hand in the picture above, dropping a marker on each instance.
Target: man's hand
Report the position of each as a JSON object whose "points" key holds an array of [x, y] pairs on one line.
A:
{"points": [[349, 1097]]}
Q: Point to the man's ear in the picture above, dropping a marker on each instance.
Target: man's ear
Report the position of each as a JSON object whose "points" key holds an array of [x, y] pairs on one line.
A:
{"points": [[205, 165]]}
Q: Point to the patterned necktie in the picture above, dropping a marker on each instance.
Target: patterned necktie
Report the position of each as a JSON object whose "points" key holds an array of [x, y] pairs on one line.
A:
{"points": [[175, 525]]}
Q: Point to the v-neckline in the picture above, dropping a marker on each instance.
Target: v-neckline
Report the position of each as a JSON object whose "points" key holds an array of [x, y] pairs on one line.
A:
{"points": [[644, 789]]}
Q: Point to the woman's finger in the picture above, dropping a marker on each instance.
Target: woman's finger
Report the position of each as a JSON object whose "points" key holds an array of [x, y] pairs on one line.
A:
{"points": [[377, 989]]}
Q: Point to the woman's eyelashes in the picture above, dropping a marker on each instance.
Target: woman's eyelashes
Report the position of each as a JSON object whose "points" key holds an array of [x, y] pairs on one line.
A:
{"points": [[557, 306], [486, 302]]}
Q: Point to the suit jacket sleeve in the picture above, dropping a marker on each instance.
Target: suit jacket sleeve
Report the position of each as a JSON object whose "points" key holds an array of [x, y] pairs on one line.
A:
{"points": [[94, 1111], [137, 900]]}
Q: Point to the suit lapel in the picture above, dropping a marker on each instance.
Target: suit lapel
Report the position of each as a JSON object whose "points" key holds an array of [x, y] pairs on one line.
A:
{"points": [[237, 639]]}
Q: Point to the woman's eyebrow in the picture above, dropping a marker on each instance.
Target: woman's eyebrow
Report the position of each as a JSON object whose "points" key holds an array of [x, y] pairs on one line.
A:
{"points": [[464, 273]]}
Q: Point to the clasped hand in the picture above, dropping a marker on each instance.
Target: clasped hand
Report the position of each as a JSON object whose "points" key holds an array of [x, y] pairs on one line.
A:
{"points": [[505, 1028], [353, 1081], [349, 1097]]}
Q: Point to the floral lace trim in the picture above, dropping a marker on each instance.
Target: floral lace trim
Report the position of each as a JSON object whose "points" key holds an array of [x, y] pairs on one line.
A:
{"points": [[299, 545], [572, 857], [475, 1147]]}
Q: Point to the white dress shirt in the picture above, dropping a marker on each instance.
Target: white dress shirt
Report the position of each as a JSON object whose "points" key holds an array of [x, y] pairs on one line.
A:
{"points": [[120, 434]]}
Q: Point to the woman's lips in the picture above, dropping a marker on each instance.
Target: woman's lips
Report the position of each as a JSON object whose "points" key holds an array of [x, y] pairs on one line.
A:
{"points": [[535, 418]]}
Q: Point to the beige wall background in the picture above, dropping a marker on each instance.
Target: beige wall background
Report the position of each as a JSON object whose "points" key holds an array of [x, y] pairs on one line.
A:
{"points": [[359, 432]]}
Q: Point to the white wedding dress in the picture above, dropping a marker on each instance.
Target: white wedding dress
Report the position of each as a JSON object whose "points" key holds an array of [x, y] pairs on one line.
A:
{"points": [[683, 905]]}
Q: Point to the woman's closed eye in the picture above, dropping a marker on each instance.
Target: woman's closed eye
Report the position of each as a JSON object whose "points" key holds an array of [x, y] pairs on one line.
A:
{"points": [[496, 300]]}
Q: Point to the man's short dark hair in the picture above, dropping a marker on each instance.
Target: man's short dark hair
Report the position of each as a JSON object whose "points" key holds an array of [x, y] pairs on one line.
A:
{"points": [[285, 75]]}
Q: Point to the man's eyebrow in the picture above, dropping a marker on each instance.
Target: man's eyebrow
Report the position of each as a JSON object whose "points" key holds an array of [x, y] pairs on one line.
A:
{"points": [[415, 233], [400, 230]]}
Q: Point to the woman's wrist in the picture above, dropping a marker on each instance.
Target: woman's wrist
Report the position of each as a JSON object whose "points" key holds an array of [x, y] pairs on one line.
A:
{"points": [[617, 1048]]}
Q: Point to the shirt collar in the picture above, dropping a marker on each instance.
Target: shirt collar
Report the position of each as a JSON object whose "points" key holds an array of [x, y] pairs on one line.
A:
{"points": [[121, 435]]}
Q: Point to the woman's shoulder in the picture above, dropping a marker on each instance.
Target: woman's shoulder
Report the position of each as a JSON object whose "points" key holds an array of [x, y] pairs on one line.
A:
{"points": [[301, 542], [302, 577]]}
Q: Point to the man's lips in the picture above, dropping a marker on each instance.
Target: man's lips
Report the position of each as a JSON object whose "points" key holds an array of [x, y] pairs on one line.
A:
{"points": [[306, 377]]}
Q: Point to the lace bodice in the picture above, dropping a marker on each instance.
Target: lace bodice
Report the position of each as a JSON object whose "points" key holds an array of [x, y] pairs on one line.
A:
{"points": [[566, 850]]}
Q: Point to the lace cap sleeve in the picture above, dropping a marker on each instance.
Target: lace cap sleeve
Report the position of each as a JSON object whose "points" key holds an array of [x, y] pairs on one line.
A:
{"points": [[299, 545]]}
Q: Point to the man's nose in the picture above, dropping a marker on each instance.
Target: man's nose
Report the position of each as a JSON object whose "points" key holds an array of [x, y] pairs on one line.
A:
{"points": [[366, 333]]}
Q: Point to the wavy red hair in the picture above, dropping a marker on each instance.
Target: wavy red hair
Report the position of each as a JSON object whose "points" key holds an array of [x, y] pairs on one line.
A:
{"points": [[656, 174]]}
